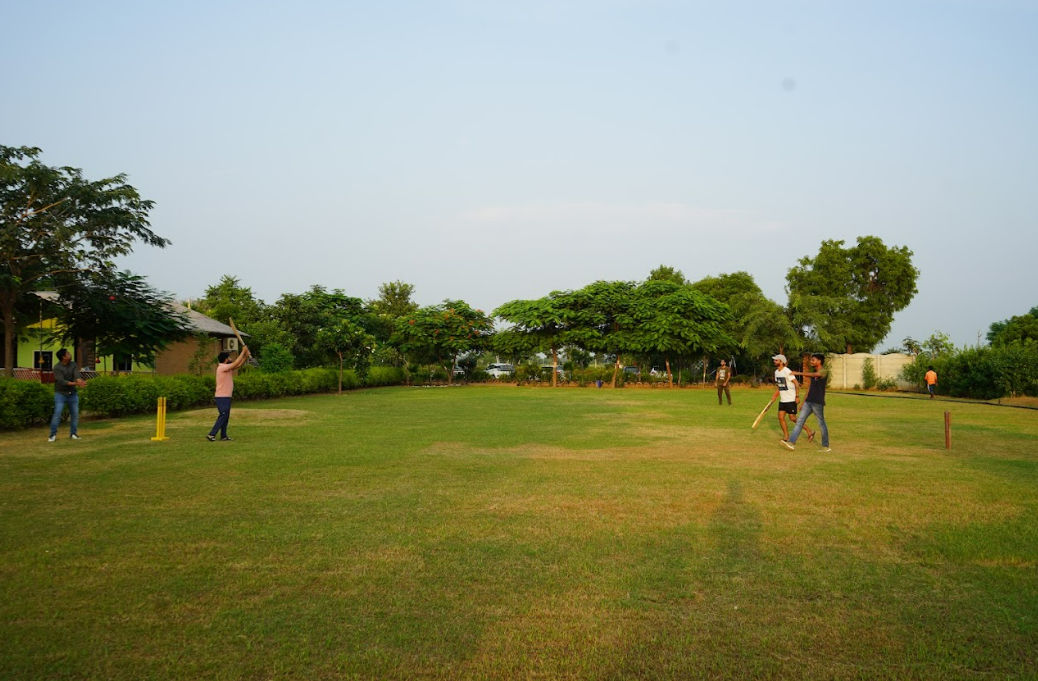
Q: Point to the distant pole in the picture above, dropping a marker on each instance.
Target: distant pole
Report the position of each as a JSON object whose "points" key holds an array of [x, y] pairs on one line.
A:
{"points": [[947, 430]]}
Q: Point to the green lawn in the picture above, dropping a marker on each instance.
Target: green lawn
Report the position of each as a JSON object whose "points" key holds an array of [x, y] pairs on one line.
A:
{"points": [[500, 532]]}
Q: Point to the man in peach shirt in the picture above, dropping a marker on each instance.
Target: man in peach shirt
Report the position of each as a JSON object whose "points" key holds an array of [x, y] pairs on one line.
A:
{"points": [[225, 370]]}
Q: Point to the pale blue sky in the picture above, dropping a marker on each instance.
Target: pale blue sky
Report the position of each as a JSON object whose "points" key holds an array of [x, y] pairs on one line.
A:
{"points": [[498, 150]]}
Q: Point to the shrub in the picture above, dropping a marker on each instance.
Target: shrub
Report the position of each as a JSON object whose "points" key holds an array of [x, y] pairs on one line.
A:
{"points": [[868, 374], [24, 403], [384, 375], [276, 358]]}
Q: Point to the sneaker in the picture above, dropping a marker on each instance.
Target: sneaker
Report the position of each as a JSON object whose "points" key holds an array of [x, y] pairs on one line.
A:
{"points": [[52, 438], [226, 439], [827, 449], [211, 438], [74, 436], [788, 444]]}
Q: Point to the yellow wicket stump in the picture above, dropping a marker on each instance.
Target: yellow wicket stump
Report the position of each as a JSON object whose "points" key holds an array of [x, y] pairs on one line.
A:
{"points": [[160, 424]]}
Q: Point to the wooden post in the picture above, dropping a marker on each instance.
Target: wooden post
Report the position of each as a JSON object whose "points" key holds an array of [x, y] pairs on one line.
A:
{"points": [[947, 430]]}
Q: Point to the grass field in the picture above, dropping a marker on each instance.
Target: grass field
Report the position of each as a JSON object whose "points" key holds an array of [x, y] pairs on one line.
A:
{"points": [[502, 532]]}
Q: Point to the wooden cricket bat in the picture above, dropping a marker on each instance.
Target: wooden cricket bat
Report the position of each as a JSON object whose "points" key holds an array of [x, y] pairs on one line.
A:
{"points": [[242, 342], [756, 421]]}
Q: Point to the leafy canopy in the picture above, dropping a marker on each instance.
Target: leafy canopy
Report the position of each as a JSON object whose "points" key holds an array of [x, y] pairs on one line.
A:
{"points": [[55, 222], [845, 298]]}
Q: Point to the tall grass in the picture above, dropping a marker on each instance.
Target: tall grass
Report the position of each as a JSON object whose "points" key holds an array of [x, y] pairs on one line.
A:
{"points": [[502, 532]]}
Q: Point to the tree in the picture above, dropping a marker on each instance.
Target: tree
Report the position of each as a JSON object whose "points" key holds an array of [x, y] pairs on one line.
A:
{"points": [[121, 313], [228, 299], [537, 326], [758, 325], [846, 297], [666, 273], [672, 319], [1021, 328], [302, 316], [598, 319], [55, 222], [394, 300], [346, 339], [439, 333]]}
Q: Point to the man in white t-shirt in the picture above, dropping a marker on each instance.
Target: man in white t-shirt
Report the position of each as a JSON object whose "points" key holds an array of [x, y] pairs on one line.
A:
{"points": [[786, 389]]}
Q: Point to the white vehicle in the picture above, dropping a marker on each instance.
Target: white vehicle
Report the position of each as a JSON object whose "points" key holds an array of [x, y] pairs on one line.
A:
{"points": [[498, 370]]}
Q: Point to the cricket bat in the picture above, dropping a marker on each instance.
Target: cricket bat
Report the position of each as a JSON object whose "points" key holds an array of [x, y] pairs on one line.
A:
{"points": [[242, 342], [756, 421]]}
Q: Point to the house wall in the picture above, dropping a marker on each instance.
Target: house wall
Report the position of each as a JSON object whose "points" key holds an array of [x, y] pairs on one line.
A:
{"points": [[177, 358], [845, 371]]}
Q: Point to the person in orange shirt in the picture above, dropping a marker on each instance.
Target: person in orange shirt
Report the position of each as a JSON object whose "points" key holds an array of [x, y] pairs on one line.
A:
{"points": [[931, 381], [225, 370]]}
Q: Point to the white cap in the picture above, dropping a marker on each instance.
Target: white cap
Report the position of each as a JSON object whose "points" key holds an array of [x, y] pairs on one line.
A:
{"points": [[781, 358]]}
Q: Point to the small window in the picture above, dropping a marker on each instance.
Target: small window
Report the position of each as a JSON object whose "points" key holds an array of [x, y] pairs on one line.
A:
{"points": [[122, 363]]}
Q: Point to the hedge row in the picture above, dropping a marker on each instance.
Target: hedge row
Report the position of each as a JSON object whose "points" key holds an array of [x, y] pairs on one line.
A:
{"points": [[24, 403], [981, 373], [27, 403]]}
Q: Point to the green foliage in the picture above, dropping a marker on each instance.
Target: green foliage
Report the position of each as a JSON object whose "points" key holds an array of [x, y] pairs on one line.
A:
{"points": [[120, 312], [938, 344], [24, 403], [868, 374], [276, 358], [304, 316], [1021, 328], [54, 221], [228, 299], [667, 273], [845, 298], [981, 373], [758, 325], [384, 375], [440, 333]]}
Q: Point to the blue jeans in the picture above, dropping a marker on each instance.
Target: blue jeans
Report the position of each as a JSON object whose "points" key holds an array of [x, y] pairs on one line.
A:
{"points": [[223, 410], [805, 410], [61, 400]]}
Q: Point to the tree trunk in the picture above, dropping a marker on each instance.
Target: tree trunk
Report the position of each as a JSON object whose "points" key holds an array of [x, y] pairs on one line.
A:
{"points": [[9, 342], [555, 368], [704, 369], [340, 371], [670, 376], [616, 370]]}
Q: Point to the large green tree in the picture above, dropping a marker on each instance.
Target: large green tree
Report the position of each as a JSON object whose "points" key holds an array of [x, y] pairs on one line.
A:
{"points": [[302, 316], [759, 326], [55, 222], [672, 319], [536, 326], [439, 333], [846, 298], [1020, 328]]}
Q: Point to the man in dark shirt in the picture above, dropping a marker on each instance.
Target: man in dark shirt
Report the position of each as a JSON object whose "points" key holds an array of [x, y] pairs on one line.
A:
{"points": [[814, 402], [66, 381]]}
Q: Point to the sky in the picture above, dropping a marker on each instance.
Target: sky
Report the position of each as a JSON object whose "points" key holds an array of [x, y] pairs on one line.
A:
{"points": [[489, 151]]}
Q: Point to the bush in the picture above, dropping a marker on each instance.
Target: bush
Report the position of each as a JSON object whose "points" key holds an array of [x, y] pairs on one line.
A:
{"points": [[384, 375], [24, 403], [276, 358], [981, 373], [868, 374]]}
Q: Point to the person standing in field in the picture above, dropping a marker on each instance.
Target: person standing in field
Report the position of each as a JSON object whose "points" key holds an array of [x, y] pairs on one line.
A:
{"points": [[225, 370], [724, 375], [787, 391], [67, 381], [814, 403], [931, 382]]}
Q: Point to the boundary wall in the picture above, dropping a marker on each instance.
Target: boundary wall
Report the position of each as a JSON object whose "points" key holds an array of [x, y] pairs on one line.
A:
{"points": [[845, 370]]}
